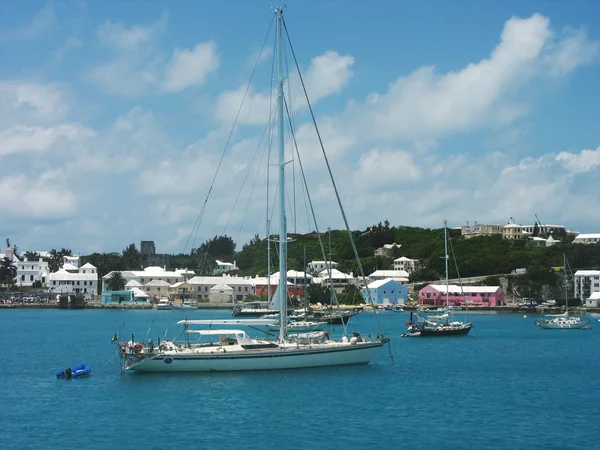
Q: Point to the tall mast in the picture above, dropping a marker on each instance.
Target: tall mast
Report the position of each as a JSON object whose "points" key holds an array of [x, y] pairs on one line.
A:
{"points": [[566, 284], [282, 224], [446, 258]]}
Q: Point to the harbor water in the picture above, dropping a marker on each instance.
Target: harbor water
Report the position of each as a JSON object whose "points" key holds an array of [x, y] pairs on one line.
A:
{"points": [[508, 384]]}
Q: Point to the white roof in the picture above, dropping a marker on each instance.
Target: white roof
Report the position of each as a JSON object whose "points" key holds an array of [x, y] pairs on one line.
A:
{"points": [[390, 273], [335, 274], [133, 283], [179, 283], [322, 262], [455, 289], [223, 263], [153, 271], [379, 283], [88, 266], [63, 275], [157, 283], [588, 236], [594, 296], [390, 246], [221, 286], [404, 258], [587, 273], [68, 266], [202, 280], [138, 293]]}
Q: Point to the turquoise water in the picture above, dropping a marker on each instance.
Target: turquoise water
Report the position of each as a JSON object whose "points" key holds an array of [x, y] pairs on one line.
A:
{"points": [[506, 385]]}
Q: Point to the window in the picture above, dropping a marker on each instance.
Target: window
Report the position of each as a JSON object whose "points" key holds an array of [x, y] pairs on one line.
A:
{"points": [[22, 277], [392, 292], [77, 282], [54, 282], [30, 277]]}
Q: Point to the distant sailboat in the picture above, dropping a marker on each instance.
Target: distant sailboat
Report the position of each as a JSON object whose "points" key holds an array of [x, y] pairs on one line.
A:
{"points": [[563, 321], [442, 325]]}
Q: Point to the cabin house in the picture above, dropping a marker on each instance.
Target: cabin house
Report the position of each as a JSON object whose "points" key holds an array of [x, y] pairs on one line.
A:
{"points": [[406, 264], [587, 238], [83, 281], [585, 283], [399, 275], [224, 267], [28, 272], [314, 267]]}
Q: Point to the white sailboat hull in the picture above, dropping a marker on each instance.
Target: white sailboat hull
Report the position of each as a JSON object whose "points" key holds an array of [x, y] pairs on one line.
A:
{"points": [[562, 326], [225, 360]]}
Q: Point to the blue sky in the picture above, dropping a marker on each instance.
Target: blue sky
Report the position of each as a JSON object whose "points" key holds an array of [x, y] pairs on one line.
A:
{"points": [[115, 114]]}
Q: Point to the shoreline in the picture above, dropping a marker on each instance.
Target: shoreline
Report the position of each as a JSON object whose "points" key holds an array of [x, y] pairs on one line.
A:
{"points": [[229, 306]]}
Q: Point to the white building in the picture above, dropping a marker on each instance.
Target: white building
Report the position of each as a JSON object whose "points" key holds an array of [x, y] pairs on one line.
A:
{"points": [[587, 238], [338, 279], [593, 301], [202, 285], [399, 275], [406, 264], [149, 274], [28, 272], [71, 261], [84, 281], [387, 250], [295, 277], [315, 267], [585, 283], [224, 267], [513, 230]]}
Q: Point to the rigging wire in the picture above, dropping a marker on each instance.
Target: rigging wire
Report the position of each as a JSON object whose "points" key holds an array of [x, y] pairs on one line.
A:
{"points": [[303, 175], [314, 120], [200, 216]]}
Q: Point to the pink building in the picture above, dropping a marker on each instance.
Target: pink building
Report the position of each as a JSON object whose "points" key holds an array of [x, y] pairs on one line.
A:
{"points": [[435, 294]]}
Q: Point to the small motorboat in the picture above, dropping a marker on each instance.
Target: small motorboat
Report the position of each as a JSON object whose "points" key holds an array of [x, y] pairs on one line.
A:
{"points": [[74, 372]]}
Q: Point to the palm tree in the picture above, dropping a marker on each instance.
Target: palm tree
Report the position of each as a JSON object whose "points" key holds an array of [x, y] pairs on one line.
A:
{"points": [[116, 282], [32, 256]]}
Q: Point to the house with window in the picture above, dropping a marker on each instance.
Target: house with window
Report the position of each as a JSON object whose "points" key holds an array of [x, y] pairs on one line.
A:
{"points": [[387, 250], [224, 267], [400, 275], [28, 272], [587, 238], [202, 285], [385, 292], [435, 294], [339, 280], [314, 267], [593, 301], [406, 264], [585, 283], [262, 285], [83, 281]]}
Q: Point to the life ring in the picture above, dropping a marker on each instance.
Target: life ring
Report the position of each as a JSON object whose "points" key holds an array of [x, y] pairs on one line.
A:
{"points": [[137, 348]]}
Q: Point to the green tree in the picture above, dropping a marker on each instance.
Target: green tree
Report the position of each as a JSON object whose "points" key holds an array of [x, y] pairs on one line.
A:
{"points": [[8, 272], [116, 282], [132, 259]]}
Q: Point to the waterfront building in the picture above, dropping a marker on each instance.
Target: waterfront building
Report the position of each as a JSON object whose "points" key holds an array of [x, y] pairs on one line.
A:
{"points": [[399, 275], [149, 274], [593, 301], [261, 285], [406, 264], [435, 294], [386, 292], [338, 279], [83, 281], [242, 287], [125, 297], [28, 272], [585, 283], [581, 238]]}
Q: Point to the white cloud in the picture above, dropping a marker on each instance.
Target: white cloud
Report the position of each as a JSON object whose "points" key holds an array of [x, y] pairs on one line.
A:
{"points": [[38, 101], [326, 75], [44, 197], [386, 169], [581, 162], [138, 67], [428, 104], [191, 67], [27, 138]]}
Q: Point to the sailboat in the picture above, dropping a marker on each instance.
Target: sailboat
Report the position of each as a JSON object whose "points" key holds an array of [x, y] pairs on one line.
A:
{"points": [[219, 349], [444, 324], [563, 321]]}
